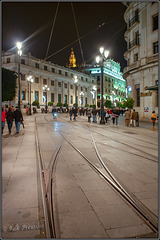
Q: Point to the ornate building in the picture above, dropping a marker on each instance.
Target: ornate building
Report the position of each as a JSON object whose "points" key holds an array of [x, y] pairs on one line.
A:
{"points": [[141, 72], [60, 81], [114, 84]]}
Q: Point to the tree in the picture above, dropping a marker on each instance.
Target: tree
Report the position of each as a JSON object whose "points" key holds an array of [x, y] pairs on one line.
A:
{"points": [[119, 105], [93, 106], [129, 103], [59, 104], [75, 105], [8, 84], [86, 105], [108, 104], [35, 103], [65, 105], [50, 103]]}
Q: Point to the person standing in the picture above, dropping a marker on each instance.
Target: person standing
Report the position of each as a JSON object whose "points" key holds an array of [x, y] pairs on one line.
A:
{"points": [[70, 113], [18, 118], [94, 112], [113, 117], [106, 116], [117, 116], [153, 119], [9, 118], [134, 117], [75, 113], [127, 117], [3, 119], [89, 115]]}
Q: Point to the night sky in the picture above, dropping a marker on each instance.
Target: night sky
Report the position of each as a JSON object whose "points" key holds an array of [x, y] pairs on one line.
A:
{"points": [[32, 22]]}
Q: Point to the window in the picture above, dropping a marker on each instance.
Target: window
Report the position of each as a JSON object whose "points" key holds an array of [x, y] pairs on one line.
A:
{"points": [[53, 70], [36, 79], [23, 77], [52, 83], [81, 88], [44, 81], [52, 97], [59, 98], [45, 68], [65, 99], [8, 60], [23, 95], [36, 96], [155, 22], [71, 99], [66, 73], [86, 89], [92, 81], [59, 84], [82, 78], [36, 65], [22, 61], [71, 75], [155, 47], [65, 85], [71, 87], [86, 100], [86, 80], [44, 96], [60, 72], [137, 87], [136, 57]]}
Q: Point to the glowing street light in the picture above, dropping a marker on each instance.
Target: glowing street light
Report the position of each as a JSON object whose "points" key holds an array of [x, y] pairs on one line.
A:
{"points": [[101, 59], [19, 46], [46, 89], [30, 80]]}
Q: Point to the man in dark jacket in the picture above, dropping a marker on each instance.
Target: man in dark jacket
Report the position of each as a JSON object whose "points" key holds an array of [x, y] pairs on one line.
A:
{"points": [[9, 118], [74, 113], [18, 119], [94, 112]]}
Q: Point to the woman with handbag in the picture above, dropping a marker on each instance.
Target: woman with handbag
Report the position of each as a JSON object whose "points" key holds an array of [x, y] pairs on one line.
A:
{"points": [[153, 119]]}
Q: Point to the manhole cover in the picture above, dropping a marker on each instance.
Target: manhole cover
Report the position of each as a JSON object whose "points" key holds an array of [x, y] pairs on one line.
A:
{"points": [[130, 132]]}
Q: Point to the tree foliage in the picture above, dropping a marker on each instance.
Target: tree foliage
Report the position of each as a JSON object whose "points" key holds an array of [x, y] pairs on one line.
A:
{"points": [[35, 103], [50, 103], [108, 104], [8, 84], [59, 104], [65, 105], [129, 103]]}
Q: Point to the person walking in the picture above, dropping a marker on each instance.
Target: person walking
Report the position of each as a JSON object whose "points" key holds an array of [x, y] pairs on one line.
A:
{"points": [[117, 116], [3, 119], [94, 112], [106, 116], [89, 115], [9, 118], [27, 111], [70, 113], [74, 113], [153, 119], [113, 118], [134, 117], [18, 118], [127, 117]]}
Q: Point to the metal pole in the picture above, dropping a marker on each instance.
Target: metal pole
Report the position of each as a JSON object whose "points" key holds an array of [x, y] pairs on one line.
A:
{"points": [[46, 101], [30, 99], [102, 104], [76, 95], [19, 81]]}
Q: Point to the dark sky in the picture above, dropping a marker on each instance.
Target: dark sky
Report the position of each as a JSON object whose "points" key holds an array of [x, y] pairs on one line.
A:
{"points": [[31, 23]]}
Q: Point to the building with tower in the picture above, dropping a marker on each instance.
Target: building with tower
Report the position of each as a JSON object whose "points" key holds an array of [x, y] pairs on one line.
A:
{"points": [[72, 60]]}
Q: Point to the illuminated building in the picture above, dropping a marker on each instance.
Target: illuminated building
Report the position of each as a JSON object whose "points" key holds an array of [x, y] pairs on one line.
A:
{"points": [[141, 72], [59, 80], [114, 84]]}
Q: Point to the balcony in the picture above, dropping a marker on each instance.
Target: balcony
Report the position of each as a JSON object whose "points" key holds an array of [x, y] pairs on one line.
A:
{"points": [[133, 20], [133, 43]]}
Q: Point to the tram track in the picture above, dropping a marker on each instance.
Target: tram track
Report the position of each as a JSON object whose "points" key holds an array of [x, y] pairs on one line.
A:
{"points": [[113, 182]]}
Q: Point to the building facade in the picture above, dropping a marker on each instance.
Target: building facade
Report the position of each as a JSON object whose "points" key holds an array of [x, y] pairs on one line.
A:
{"points": [[113, 82], [59, 80], [141, 72]]}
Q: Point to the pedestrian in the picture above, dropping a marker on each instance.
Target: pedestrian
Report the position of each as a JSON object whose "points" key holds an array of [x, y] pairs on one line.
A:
{"points": [[74, 113], [117, 116], [27, 111], [107, 116], [153, 119], [70, 113], [127, 117], [89, 115], [94, 112], [18, 118], [54, 112], [113, 117], [134, 117], [9, 118], [3, 119]]}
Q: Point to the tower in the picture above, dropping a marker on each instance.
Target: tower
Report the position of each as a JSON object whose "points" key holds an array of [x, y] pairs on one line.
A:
{"points": [[72, 60]]}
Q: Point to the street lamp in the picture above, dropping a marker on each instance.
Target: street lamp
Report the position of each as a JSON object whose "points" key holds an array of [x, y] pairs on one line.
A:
{"points": [[46, 89], [81, 94], [101, 59], [19, 46], [30, 80], [75, 81], [93, 92]]}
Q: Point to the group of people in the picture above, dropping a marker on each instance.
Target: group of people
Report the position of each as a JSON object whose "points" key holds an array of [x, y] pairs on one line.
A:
{"points": [[131, 118], [9, 114]]}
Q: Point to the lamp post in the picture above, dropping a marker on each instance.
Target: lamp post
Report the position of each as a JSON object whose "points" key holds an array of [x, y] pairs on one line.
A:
{"points": [[30, 80], [101, 59], [93, 93], [75, 81], [19, 46], [46, 89], [113, 94], [81, 94]]}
